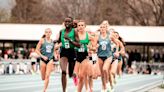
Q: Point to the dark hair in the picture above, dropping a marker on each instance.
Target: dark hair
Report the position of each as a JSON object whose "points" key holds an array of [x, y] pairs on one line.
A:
{"points": [[75, 23], [120, 38], [70, 18]]}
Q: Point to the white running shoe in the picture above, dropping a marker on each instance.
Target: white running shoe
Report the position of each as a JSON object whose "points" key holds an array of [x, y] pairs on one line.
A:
{"points": [[104, 90], [87, 90], [109, 89]]}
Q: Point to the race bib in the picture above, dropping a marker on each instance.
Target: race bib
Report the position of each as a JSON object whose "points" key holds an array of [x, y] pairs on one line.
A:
{"points": [[103, 46], [48, 48], [67, 44], [81, 49], [94, 57]]}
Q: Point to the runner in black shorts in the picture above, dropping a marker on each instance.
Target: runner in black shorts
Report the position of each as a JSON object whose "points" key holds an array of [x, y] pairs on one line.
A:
{"points": [[45, 49], [69, 39], [81, 67]]}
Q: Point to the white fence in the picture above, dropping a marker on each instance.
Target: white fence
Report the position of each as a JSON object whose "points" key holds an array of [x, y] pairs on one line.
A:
{"points": [[21, 66]]}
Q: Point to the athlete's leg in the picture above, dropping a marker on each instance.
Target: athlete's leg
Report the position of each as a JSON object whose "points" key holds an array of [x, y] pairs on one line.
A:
{"points": [[119, 69], [48, 72], [106, 65], [90, 74], [102, 74], [82, 75], [113, 72], [75, 73], [86, 83], [43, 70], [63, 65], [76, 68], [90, 83], [71, 67]]}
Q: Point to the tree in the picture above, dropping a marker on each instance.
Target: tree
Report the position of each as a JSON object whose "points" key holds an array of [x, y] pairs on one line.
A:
{"points": [[117, 12], [78, 9], [4, 16], [27, 11], [145, 12]]}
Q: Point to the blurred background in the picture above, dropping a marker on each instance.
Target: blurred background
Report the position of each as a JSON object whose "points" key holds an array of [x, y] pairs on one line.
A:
{"points": [[139, 22]]}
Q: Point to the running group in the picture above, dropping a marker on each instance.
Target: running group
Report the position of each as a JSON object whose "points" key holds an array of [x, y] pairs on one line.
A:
{"points": [[84, 55]]}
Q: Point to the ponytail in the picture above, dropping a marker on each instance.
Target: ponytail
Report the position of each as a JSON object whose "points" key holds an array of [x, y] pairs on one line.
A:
{"points": [[44, 36], [120, 38]]}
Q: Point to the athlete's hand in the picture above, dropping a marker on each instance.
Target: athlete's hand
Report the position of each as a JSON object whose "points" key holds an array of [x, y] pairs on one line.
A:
{"points": [[66, 37], [123, 53], [116, 54], [45, 58]]}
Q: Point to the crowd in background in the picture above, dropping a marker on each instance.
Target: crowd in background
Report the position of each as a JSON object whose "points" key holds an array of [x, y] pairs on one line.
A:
{"points": [[140, 63], [131, 57], [19, 53], [135, 55]]}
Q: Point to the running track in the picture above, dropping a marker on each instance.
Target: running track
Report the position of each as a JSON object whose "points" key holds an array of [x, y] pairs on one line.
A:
{"points": [[33, 83]]}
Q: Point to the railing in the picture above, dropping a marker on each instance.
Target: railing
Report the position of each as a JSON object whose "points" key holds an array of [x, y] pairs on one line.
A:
{"points": [[154, 66], [24, 66], [140, 67], [20, 66]]}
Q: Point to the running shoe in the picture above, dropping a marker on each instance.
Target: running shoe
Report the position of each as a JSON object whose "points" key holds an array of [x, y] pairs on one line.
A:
{"points": [[75, 80]]}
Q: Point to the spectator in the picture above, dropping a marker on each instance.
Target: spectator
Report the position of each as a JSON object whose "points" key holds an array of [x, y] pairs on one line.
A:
{"points": [[33, 56], [156, 56], [144, 58], [17, 68], [10, 68], [20, 56], [2, 68], [148, 70], [137, 56], [163, 56], [131, 58], [9, 53], [1, 55]]}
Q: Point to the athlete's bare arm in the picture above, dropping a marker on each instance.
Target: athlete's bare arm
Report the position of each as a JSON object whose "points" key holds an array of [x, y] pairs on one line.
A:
{"points": [[55, 50], [117, 45], [37, 50], [122, 50], [41, 41]]}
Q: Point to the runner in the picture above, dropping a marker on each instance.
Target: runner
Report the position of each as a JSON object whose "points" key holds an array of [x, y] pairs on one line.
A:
{"points": [[122, 53], [105, 54], [114, 65], [45, 49], [69, 39], [81, 59]]}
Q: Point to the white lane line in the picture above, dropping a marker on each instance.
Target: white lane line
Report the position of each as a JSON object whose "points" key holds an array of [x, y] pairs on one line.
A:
{"points": [[26, 86], [137, 80], [34, 78], [30, 85], [18, 79], [29, 82], [143, 86], [97, 84]]}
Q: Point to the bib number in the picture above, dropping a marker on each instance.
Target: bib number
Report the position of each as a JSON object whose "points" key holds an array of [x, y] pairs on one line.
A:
{"points": [[94, 57], [81, 49], [103, 46], [48, 49], [66, 44]]}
